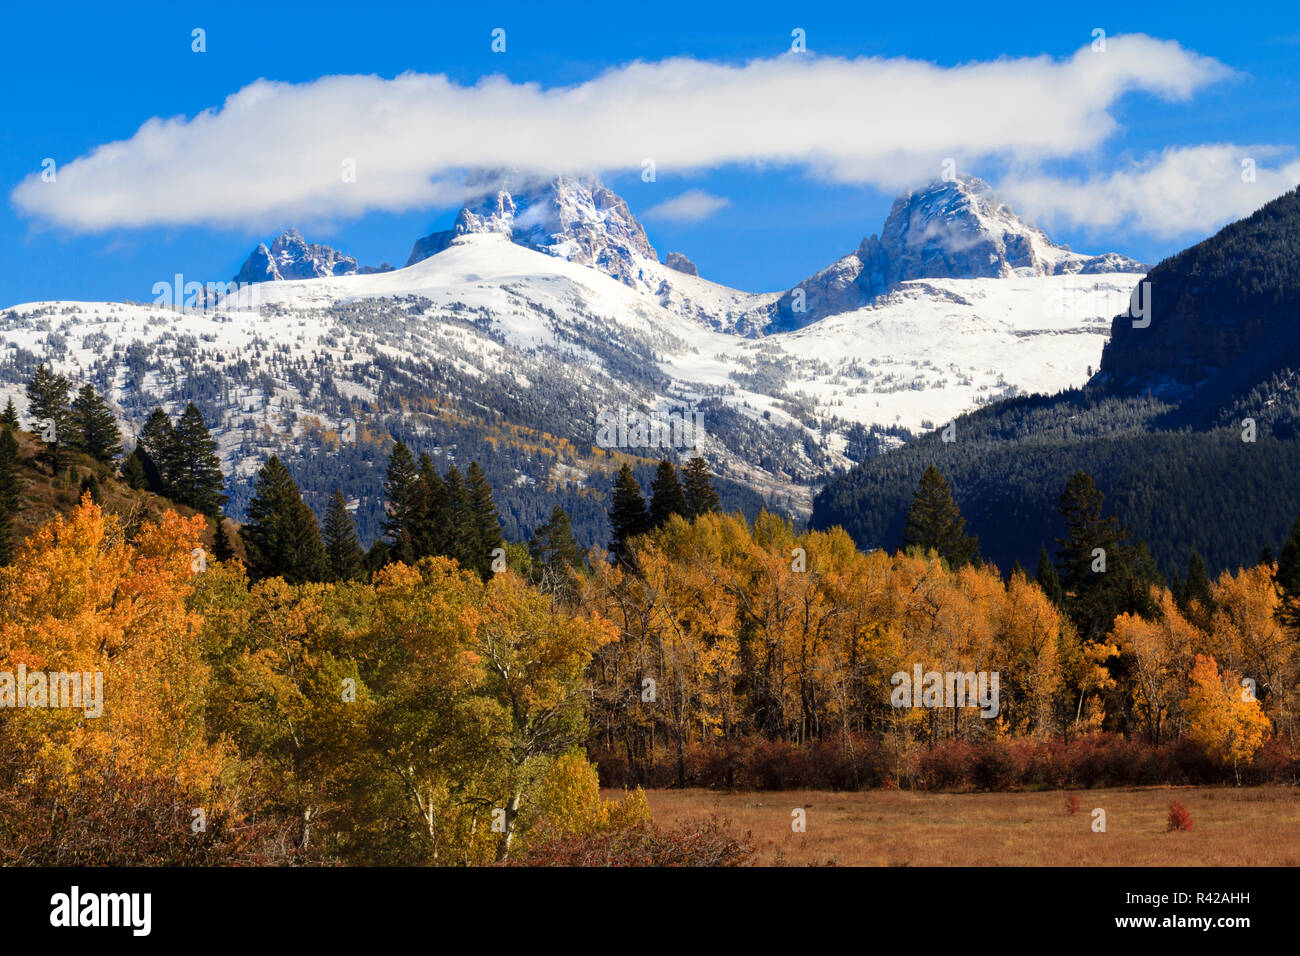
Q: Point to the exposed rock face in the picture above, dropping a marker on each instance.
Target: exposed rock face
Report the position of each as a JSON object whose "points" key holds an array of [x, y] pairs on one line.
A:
{"points": [[678, 262], [291, 257], [954, 229], [573, 218]]}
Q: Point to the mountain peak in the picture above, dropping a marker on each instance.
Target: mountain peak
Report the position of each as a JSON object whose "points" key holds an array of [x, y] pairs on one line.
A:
{"points": [[572, 217], [290, 256], [954, 228]]}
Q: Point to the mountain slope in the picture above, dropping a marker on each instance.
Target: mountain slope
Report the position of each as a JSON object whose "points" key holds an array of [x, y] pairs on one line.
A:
{"points": [[1162, 427]]}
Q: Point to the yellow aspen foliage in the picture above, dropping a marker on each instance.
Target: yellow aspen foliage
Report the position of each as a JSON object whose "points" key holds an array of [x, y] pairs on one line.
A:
{"points": [[1221, 718]]}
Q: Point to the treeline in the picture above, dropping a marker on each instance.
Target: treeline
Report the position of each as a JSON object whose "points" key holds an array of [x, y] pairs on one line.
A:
{"points": [[735, 636]]}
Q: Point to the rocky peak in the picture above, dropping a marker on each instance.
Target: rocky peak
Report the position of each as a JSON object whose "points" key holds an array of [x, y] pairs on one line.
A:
{"points": [[951, 229], [574, 218], [679, 263], [290, 256]]}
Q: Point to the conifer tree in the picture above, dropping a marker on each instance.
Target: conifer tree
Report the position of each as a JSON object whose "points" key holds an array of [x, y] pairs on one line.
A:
{"points": [[9, 417], [1288, 579], [10, 493], [553, 545], [377, 556], [195, 477], [462, 542], [666, 495], [222, 549], [627, 515], [432, 517], [47, 404], [133, 472], [1048, 579], [1196, 587], [93, 427], [346, 559], [281, 536], [935, 523], [485, 520], [156, 449], [402, 497], [1102, 574], [701, 498]]}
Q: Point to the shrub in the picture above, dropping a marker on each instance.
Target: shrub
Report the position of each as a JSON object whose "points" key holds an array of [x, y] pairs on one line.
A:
{"points": [[1179, 818]]}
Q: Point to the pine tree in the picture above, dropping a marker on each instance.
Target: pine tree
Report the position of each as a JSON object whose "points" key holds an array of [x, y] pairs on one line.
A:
{"points": [[347, 561], [9, 417], [93, 427], [10, 493], [701, 498], [402, 494], [1093, 596], [553, 545], [627, 516], [1196, 587], [934, 522], [47, 404], [666, 495], [486, 522], [196, 478], [222, 549], [133, 472], [1048, 579], [157, 451], [432, 517], [281, 536], [462, 543], [1288, 579], [377, 556]]}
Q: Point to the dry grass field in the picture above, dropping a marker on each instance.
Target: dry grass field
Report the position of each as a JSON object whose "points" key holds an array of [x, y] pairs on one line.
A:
{"points": [[1231, 827]]}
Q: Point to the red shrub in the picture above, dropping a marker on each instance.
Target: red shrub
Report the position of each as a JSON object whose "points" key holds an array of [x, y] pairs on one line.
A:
{"points": [[1072, 804], [1179, 818]]}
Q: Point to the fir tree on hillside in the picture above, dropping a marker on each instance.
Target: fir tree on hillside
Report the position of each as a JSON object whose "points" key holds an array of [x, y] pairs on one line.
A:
{"points": [[486, 522], [1288, 579], [195, 478], [1102, 574], [93, 427], [627, 515], [666, 495], [934, 522], [462, 543], [47, 405], [10, 493], [133, 472], [553, 545], [156, 450], [222, 548], [347, 562], [433, 523], [1195, 588], [1048, 579], [402, 494], [701, 498], [281, 536], [9, 417]]}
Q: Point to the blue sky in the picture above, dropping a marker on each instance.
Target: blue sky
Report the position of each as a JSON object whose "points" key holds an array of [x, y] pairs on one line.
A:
{"points": [[79, 76]]}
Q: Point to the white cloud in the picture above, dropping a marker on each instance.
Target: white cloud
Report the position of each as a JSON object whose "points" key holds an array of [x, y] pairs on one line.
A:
{"points": [[275, 152], [1185, 189], [693, 205]]}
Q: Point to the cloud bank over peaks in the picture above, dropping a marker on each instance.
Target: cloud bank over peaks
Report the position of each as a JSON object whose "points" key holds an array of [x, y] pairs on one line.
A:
{"points": [[342, 146]]}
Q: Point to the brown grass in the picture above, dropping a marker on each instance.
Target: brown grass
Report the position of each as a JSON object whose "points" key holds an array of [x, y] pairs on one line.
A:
{"points": [[1258, 826]]}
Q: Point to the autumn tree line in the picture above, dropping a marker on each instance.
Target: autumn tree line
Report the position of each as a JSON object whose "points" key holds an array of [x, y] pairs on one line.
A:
{"points": [[446, 697]]}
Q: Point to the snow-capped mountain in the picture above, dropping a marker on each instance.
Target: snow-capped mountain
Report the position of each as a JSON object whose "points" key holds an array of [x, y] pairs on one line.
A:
{"points": [[290, 256], [952, 229], [544, 314]]}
